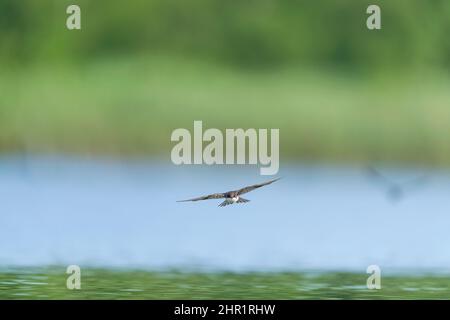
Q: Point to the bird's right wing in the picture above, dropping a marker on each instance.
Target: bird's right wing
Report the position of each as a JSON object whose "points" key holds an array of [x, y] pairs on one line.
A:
{"points": [[378, 177], [210, 196]]}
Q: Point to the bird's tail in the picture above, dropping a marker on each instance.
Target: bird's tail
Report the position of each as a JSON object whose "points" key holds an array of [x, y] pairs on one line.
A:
{"points": [[226, 202], [242, 200]]}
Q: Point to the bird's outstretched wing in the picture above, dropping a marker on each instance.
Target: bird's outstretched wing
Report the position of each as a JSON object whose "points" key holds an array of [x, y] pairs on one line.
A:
{"points": [[210, 196], [378, 177], [255, 186], [416, 183], [409, 184]]}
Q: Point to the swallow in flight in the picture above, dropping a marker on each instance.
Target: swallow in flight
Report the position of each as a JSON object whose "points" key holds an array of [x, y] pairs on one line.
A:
{"points": [[232, 197]]}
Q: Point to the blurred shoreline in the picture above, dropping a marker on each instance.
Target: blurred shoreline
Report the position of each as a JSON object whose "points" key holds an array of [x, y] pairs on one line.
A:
{"points": [[121, 107]]}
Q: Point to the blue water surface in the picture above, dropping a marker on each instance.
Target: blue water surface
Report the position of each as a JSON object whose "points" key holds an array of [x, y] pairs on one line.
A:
{"points": [[116, 213]]}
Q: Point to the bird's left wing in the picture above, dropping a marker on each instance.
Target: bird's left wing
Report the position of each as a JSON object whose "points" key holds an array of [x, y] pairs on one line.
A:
{"points": [[255, 186], [210, 196]]}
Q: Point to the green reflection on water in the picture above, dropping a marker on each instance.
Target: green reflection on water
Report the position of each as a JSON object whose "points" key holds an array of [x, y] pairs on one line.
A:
{"points": [[50, 283]]}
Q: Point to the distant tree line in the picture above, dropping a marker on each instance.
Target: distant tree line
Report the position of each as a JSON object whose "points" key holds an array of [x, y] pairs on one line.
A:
{"points": [[244, 33]]}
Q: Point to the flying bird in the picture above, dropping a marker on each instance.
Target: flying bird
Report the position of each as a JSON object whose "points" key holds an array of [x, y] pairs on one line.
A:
{"points": [[232, 196], [396, 191]]}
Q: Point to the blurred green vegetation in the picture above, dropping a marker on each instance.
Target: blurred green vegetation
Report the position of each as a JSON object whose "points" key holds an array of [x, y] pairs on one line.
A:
{"points": [[50, 283], [258, 33], [124, 107], [139, 69], [249, 33]]}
